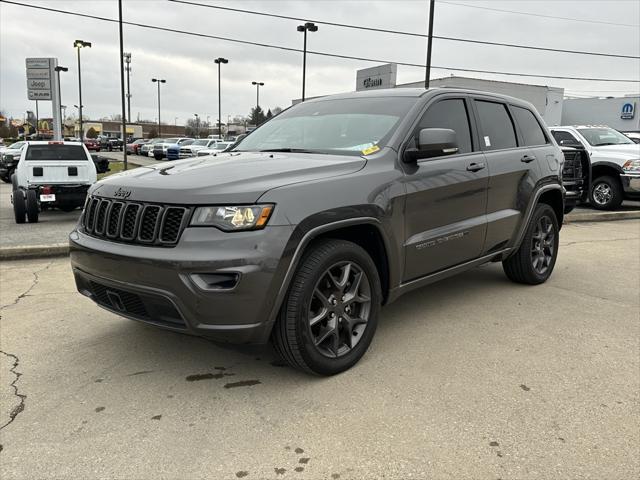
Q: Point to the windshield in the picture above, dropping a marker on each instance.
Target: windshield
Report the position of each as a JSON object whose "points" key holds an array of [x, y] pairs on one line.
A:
{"points": [[220, 145], [598, 137], [347, 126], [55, 152], [203, 142]]}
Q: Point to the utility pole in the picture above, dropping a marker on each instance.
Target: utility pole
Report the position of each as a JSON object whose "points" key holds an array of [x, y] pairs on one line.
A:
{"points": [[258, 85], [124, 118], [427, 73], [127, 68]]}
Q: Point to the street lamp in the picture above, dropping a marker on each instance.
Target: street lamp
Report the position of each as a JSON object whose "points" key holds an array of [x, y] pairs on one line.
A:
{"points": [[158, 81], [220, 61], [127, 68], [78, 44], [307, 27], [59, 69], [197, 125], [258, 85]]}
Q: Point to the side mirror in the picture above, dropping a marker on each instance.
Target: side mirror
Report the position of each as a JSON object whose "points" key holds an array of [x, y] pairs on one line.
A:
{"points": [[433, 142], [569, 143]]}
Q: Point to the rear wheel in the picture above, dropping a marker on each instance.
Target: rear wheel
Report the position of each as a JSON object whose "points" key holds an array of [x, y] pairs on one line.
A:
{"points": [[19, 206], [606, 193], [534, 260], [331, 311], [32, 206]]}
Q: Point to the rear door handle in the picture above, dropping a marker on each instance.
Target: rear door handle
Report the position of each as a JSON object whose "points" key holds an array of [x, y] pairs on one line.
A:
{"points": [[474, 167], [527, 159]]}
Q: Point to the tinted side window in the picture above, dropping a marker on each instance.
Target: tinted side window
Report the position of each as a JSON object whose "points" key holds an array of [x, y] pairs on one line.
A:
{"points": [[532, 132], [569, 139], [497, 127], [450, 114]]}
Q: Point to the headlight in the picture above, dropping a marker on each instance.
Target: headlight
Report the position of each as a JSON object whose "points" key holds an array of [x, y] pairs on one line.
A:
{"points": [[249, 217], [631, 166]]}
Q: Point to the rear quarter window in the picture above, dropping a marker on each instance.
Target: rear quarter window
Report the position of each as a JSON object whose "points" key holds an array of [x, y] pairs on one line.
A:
{"points": [[55, 152]]}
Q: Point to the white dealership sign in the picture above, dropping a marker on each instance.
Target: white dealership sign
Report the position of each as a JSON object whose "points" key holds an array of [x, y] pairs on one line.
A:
{"points": [[42, 84], [382, 76]]}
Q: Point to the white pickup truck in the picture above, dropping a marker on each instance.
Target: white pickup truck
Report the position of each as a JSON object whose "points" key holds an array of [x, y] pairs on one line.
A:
{"points": [[615, 162], [51, 174]]}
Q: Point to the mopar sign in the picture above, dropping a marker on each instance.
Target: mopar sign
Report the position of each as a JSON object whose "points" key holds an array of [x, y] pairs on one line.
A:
{"points": [[372, 82], [628, 111]]}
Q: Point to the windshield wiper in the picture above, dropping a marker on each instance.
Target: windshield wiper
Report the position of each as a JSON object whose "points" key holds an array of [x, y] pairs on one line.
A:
{"points": [[605, 144], [289, 150]]}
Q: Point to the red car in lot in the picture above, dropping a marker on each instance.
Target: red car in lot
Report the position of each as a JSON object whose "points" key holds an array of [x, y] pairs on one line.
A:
{"points": [[92, 144]]}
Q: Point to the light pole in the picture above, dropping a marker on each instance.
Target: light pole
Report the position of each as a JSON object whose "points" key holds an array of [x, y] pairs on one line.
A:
{"points": [[78, 44], [59, 69], [197, 125], [127, 68], [307, 27], [158, 81], [220, 61], [258, 85]]}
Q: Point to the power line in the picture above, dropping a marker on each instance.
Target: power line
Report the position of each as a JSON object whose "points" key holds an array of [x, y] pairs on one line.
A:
{"points": [[323, 54], [401, 32], [540, 15]]}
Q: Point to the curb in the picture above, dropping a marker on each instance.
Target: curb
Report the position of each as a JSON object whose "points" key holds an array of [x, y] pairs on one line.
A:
{"points": [[23, 252], [601, 216]]}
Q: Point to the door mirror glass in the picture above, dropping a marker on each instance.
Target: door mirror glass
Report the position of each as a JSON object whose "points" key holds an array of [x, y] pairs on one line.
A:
{"points": [[433, 142]]}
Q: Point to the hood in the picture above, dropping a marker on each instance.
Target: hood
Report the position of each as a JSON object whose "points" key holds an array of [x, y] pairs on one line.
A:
{"points": [[12, 151], [231, 178], [615, 153]]}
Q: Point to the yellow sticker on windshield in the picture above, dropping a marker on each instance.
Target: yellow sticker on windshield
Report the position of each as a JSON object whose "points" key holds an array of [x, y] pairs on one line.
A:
{"points": [[370, 150]]}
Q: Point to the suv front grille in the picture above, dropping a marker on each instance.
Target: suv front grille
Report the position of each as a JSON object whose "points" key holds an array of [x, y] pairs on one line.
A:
{"points": [[133, 222]]}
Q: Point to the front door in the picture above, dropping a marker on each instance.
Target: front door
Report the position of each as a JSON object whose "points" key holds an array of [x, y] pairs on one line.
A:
{"points": [[446, 197]]}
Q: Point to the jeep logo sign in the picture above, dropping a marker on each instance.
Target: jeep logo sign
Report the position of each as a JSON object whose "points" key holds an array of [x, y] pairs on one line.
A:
{"points": [[628, 111]]}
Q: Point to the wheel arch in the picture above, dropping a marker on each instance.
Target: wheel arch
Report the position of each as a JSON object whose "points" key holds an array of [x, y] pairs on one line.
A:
{"points": [[601, 169], [367, 232]]}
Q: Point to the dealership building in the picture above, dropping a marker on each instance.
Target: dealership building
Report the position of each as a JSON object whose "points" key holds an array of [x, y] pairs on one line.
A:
{"points": [[619, 112]]}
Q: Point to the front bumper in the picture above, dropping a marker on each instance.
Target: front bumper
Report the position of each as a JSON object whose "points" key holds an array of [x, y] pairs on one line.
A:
{"points": [[631, 184], [175, 288]]}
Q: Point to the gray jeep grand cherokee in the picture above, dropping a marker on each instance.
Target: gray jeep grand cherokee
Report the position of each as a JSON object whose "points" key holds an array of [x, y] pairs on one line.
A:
{"points": [[331, 209]]}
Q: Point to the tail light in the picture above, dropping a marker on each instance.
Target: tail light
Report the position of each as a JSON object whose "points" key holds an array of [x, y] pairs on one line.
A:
{"points": [[47, 190]]}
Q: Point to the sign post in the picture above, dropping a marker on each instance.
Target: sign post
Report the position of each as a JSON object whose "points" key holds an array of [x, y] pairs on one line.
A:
{"points": [[42, 84]]}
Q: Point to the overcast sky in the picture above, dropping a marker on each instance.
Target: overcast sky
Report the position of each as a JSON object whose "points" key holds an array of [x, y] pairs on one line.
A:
{"points": [[186, 62]]}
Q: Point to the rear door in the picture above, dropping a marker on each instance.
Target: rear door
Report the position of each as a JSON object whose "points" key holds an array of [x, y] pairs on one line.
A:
{"points": [[446, 196], [513, 171], [57, 163]]}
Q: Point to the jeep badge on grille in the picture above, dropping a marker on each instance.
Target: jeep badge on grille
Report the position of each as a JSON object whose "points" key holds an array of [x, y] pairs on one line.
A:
{"points": [[121, 193]]}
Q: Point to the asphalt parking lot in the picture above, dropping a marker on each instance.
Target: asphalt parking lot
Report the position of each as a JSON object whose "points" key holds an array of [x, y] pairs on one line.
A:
{"points": [[474, 377]]}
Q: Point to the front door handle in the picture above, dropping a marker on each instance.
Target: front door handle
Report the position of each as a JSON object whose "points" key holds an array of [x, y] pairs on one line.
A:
{"points": [[527, 159], [474, 167]]}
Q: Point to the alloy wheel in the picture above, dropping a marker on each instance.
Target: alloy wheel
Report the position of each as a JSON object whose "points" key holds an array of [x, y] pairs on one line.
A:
{"points": [[543, 245], [602, 193], [339, 309]]}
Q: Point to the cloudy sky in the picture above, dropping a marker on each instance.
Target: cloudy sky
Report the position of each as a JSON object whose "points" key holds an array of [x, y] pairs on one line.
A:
{"points": [[186, 62]]}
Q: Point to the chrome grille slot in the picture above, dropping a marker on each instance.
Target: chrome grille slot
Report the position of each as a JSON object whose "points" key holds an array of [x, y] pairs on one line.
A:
{"points": [[131, 222]]}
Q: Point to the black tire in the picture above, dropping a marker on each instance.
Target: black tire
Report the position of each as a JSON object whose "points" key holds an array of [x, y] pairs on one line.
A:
{"points": [[14, 182], [33, 208], [606, 193], [534, 260], [19, 206], [293, 335]]}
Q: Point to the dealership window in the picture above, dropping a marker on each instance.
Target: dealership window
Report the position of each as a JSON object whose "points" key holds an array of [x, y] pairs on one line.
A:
{"points": [[531, 130], [451, 114], [497, 128]]}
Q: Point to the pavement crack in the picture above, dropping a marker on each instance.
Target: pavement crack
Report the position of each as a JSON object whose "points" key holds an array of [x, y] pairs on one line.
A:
{"points": [[36, 279], [22, 397], [598, 241]]}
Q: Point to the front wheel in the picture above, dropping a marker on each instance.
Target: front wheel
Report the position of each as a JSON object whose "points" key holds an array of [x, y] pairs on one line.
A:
{"points": [[606, 193], [33, 209], [19, 206], [331, 311], [534, 260]]}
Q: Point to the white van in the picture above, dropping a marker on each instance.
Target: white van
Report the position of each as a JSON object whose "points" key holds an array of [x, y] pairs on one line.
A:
{"points": [[51, 174]]}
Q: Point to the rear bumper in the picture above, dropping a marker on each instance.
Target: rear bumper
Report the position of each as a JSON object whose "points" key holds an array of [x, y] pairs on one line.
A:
{"points": [[175, 288]]}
